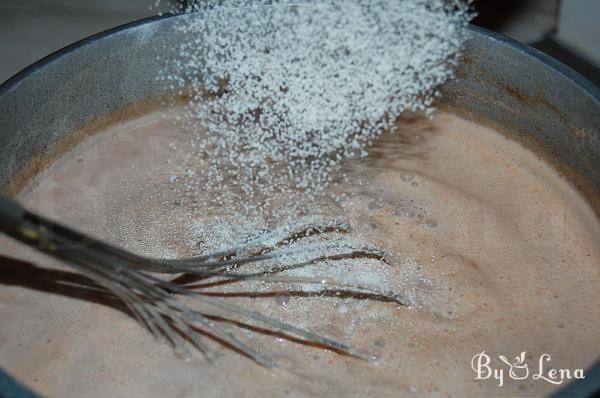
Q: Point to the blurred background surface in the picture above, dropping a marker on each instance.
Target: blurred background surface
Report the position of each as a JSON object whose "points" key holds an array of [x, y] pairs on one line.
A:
{"points": [[31, 29]]}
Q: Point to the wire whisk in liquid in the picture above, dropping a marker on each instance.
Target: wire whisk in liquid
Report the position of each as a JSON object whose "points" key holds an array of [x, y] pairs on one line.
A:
{"points": [[157, 304]]}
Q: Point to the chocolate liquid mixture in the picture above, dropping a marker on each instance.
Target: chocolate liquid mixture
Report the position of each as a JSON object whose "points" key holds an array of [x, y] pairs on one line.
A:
{"points": [[491, 248]]}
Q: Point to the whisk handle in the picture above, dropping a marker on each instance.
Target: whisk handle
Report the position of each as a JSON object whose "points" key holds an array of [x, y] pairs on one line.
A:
{"points": [[11, 214]]}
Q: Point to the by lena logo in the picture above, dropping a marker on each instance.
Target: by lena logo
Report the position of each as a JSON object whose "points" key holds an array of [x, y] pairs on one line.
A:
{"points": [[520, 370]]}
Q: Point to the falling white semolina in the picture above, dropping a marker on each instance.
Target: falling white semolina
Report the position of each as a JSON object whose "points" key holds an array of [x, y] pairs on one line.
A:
{"points": [[289, 92]]}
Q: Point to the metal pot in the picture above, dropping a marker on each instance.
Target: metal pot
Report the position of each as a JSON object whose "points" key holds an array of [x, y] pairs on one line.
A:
{"points": [[532, 97]]}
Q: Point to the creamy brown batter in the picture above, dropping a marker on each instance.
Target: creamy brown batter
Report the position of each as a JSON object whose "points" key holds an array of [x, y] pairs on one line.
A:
{"points": [[497, 252]]}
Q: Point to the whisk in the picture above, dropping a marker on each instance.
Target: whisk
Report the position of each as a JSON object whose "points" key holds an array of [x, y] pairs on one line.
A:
{"points": [[155, 302]]}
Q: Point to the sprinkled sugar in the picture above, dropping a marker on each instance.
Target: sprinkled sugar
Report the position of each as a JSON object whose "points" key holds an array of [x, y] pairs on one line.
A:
{"points": [[280, 95]]}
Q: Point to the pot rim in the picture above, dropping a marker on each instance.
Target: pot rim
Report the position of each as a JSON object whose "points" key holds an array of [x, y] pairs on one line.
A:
{"points": [[581, 81]]}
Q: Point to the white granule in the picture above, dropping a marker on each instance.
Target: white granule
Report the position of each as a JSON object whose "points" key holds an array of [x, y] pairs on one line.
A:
{"points": [[280, 95]]}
